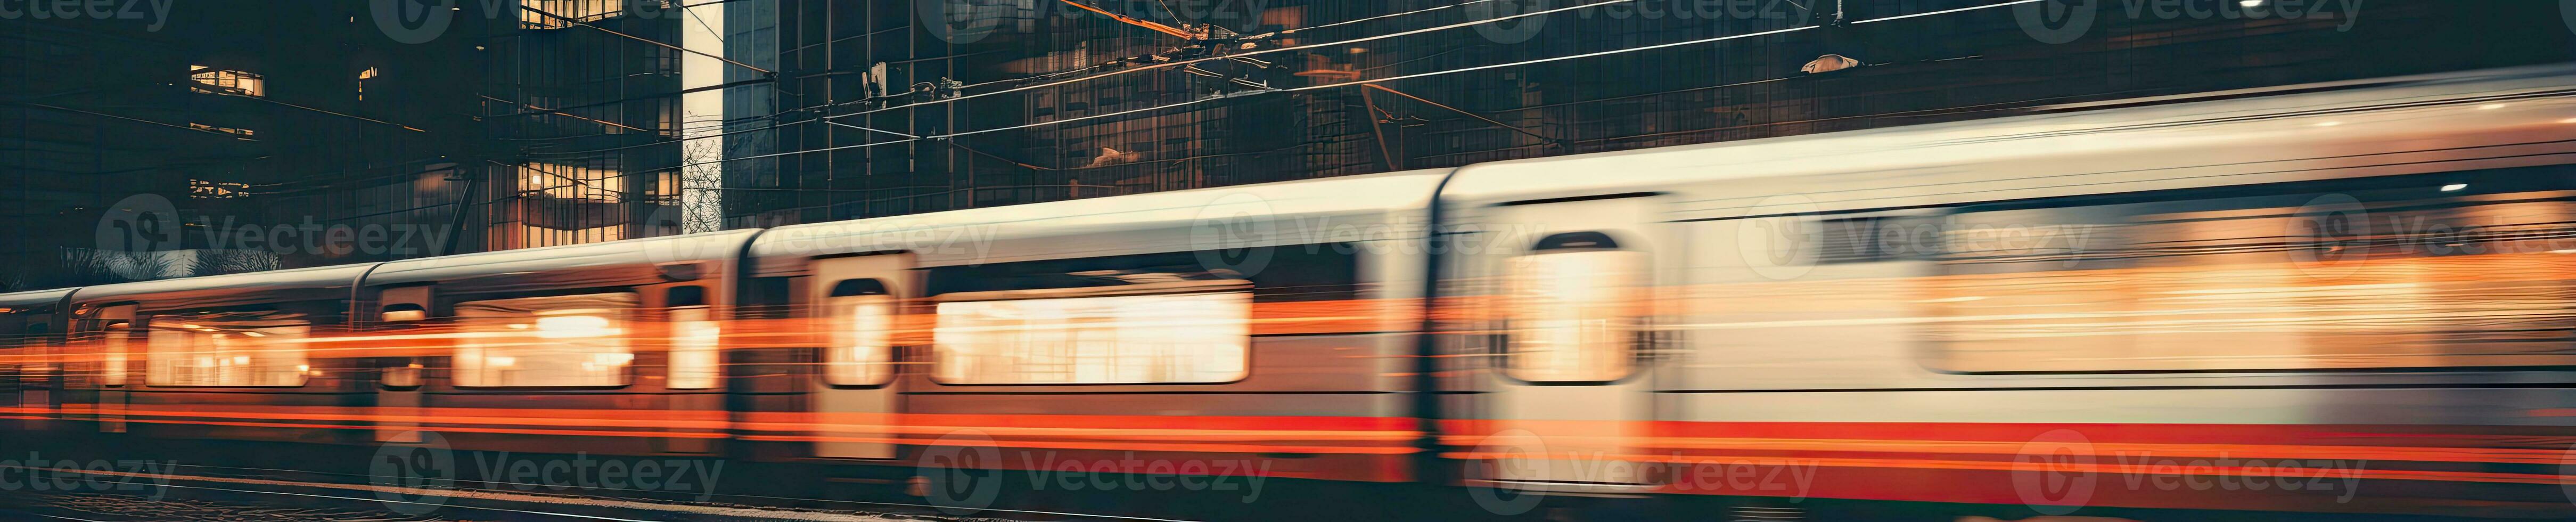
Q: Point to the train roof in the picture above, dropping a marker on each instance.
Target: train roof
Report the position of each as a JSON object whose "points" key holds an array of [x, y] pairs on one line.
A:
{"points": [[2114, 146], [299, 283], [1135, 223], [33, 299], [706, 246]]}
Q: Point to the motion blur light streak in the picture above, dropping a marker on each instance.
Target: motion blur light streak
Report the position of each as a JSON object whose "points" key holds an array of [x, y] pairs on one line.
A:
{"points": [[1933, 315]]}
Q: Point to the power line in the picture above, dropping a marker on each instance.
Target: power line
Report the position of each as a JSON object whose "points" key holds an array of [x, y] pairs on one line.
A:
{"points": [[1142, 57], [1167, 65], [1363, 82], [645, 40]]}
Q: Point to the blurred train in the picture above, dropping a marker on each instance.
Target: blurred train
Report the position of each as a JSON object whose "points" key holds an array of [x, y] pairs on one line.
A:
{"points": [[2326, 299]]}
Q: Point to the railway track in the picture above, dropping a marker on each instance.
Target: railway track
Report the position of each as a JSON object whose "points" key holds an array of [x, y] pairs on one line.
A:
{"points": [[261, 495]]}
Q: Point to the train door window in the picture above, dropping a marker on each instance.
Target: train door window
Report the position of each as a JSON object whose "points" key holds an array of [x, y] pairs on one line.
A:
{"points": [[695, 355], [113, 353], [573, 341], [226, 349], [1574, 302], [860, 315]]}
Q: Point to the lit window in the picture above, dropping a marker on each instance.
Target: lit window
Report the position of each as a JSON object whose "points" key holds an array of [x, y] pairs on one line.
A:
{"points": [[570, 182], [1574, 315], [234, 350], [1178, 332], [212, 80], [694, 351], [559, 341], [225, 130], [862, 334], [204, 189], [577, 10]]}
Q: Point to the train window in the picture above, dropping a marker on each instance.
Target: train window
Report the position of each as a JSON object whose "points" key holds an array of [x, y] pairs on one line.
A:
{"points": [[1574, 316], [1162, 318], [1288, 273], [238, 349], [1191, 331], [548, 342], [861, 317], [2450, 270]]}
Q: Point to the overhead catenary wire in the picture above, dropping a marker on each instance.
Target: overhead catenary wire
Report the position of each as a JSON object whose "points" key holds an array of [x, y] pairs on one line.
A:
{"points": [[1122, 60], [1180, 63], [1361, 82]]}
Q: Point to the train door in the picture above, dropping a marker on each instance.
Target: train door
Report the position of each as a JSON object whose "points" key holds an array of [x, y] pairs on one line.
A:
{"points": [[857, 301], [1568, 399], [37, 377], [691, 360], [398, 379], [43, 377], [110, 332]]}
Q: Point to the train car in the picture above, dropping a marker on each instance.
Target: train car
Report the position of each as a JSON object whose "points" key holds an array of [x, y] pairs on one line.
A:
{"points": [[1253, 331], [2319, 299], [2346, 298], [607, 348], [30, 379], [218, 358]]}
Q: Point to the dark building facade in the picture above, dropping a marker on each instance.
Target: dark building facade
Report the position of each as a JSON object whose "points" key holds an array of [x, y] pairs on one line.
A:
{"points": [[228, 136], [1017, 101]]}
